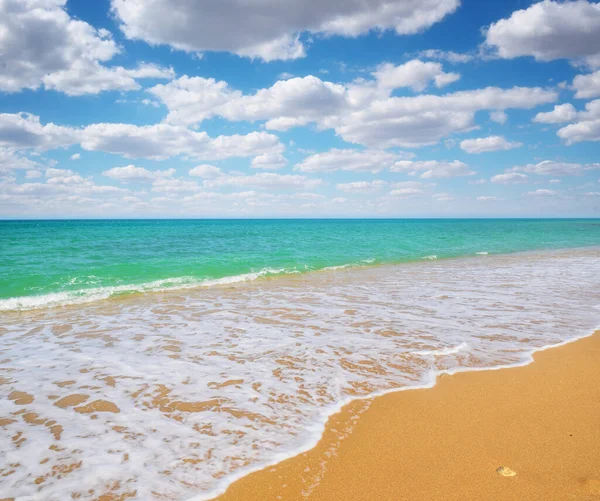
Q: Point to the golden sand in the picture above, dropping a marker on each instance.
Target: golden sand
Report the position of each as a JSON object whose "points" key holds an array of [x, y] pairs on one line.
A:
{"points": [[520, 434]]}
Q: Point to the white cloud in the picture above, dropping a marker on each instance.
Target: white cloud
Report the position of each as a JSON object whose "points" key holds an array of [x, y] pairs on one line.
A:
{"points": [[269, 30], [93, 78], [361, 186], [542, 193], [434, 169], [498, 116], [587, 127], [22, 130], [510, 178], [415, 74], [159, 141], [587, 86], [478, 181], [555, 181], [134, 173], [9, 161], [269, 161], [487, 144], [405, 192], [348, 160], [361, 112], [550, 30], [425, 119], [206, 171], [42, 45], [174, 186], [442, 55], [561, 113], [163, 141], [443, 197], [555, 168], [75, 156], [489, 199], [33, 174], [265, 180]]}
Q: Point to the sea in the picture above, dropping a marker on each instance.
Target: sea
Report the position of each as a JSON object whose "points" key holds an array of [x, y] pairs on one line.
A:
{"points": [[164, 359]]}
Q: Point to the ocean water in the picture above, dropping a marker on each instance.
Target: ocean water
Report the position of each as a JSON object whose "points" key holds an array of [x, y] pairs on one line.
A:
{"points": [[61, 262], [226, 368]]}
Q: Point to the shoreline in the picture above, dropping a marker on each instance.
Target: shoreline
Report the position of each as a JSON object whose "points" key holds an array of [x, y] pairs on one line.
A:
{"points": [[355, 460], [92, 295]]}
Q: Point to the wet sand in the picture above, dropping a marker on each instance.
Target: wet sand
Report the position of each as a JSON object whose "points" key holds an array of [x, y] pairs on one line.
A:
{"points": [[541, 421]]}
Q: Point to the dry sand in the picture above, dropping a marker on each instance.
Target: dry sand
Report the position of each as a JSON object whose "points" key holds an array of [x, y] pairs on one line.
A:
{"points": [[446, 443]]}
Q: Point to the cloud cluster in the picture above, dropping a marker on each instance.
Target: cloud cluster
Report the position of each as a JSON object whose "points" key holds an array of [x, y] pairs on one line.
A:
{"points": [[362, 112], [586, 126], [157, 142], [433, 169], [42, 45], [550, 30], [487, 144], [269, 30]]}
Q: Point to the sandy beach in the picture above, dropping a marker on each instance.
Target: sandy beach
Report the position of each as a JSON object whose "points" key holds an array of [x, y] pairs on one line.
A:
{"points": [[541, 421]]}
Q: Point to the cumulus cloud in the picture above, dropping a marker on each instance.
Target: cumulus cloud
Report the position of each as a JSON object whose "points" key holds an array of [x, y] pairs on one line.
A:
{"points": [[134, 173], [361, 112], [510, 178], [415, 74], [587, 86], [206, 171], [361, 186], [434, 169], [487, 144], [550, 30], [443, 55], [163, 141], [561, 113], [75, 156], [157, 142], [556, 168], [498, 116], [265, 180], [22, 131], [348, 160], [587, 126], [10, 160], [426, 119], [43, 45], [269, 161], [542, 193], [269, 30]]}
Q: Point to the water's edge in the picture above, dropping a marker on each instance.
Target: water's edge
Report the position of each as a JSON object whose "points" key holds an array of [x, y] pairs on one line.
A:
{"points": [[279, 458], [90, 295]]}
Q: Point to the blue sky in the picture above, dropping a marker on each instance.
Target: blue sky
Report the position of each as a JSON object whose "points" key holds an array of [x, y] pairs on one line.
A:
{"points": [[346, 108]]}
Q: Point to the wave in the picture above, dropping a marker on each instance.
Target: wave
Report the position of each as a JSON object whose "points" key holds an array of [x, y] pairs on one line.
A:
{"points": [[92, 294]]}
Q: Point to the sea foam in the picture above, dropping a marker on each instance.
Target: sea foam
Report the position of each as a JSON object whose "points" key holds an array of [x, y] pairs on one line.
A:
{"points": [[212, 383]]}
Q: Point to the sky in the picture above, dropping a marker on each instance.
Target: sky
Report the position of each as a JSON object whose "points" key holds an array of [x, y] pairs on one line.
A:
{"points": [[287, 108]]}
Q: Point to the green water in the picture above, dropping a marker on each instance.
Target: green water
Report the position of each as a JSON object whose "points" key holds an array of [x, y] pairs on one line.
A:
{"points": [[55, 262]]}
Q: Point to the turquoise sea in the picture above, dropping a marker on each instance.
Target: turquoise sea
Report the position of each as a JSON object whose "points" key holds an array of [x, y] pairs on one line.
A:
{"points": [[58, 262], [175, 395]]}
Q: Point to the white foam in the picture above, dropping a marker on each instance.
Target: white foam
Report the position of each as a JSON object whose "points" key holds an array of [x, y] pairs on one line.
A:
{"points": [[312, 344], [432, 257], [93, 294], [482, 253]]}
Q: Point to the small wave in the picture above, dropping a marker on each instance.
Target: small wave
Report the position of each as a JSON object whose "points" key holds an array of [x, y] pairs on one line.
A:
{"points": [[482, 253], [451, 350], [92, 294], [432, 257]]}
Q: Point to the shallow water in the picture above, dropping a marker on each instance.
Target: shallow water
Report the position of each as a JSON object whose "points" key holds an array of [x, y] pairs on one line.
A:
{"points": [[49, 263], [173, 395]]}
